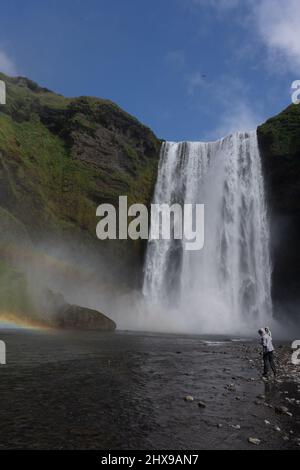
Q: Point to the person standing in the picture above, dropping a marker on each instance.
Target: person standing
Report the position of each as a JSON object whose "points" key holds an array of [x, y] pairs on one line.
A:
{"points": [[268, 331], [268, 352]]}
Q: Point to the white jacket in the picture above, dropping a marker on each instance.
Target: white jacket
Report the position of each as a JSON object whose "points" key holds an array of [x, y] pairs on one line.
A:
{"points": [[266, 341]]}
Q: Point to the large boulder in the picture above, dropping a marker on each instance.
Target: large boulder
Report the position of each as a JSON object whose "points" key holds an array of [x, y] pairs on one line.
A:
{"points": [[61, 314], [75, 317]]}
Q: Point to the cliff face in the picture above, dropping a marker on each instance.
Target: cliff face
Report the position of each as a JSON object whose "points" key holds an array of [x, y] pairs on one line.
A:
{"points": [[62, 157], [279, 141]]}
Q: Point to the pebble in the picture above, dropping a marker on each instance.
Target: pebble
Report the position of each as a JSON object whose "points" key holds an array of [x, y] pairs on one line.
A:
{"points": [[201, 404], [277, 428], [235, 426], [189, 398], [267, 422], [254, 440], [281, 409]]}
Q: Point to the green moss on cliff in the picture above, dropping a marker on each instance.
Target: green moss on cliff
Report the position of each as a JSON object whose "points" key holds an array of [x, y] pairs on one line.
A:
{"points": [[49, 152], [280, 148], [282, 132], [62, 157]]}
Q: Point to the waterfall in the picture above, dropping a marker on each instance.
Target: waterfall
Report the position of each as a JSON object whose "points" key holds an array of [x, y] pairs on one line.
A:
{"points": [[225, 286]]}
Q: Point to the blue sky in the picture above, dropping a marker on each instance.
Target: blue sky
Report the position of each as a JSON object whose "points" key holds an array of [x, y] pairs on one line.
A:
{"points": [[189, 69]]}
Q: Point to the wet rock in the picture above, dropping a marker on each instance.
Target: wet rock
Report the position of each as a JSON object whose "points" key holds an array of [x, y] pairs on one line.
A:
{"points": [[230, 387], [254, 440], [188, 398], [261, 397], [76, 317], [281, 409], [268, 405], [201, 404]]}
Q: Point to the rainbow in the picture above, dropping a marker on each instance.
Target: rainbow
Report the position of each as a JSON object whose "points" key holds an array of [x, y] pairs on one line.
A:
{"points": [[13, 320]]}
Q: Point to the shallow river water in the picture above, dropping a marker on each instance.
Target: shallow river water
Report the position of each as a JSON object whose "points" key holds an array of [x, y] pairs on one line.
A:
{"points": [[124, 390]]}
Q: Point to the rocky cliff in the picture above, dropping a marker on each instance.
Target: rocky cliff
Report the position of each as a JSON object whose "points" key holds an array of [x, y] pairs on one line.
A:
{"points": [[59, 159], [62, 157], [279, 141]]}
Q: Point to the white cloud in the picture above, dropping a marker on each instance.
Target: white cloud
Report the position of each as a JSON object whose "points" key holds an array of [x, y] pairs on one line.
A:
{"points": [[239, 117], [272, 41], [7, 64], [231, 107], [278, 24]]}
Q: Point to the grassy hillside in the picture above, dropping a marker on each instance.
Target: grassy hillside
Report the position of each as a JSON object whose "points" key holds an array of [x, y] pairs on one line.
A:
{"points": [[61, 157]]}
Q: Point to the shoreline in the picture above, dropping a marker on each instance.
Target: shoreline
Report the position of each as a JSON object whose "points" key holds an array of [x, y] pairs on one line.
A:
{"points": [[85, 390]]}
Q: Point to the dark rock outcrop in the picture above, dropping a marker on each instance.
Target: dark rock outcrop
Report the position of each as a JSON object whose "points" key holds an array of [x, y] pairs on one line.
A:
{"points": [[279, 142], [75, 317], [61, 314]]}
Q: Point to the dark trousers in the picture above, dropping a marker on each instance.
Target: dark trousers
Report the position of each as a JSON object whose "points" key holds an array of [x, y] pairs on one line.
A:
{"points": [[269, 363]]}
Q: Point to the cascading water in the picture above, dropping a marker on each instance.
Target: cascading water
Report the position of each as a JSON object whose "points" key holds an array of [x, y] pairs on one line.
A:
{"points": [[225, 287]]}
